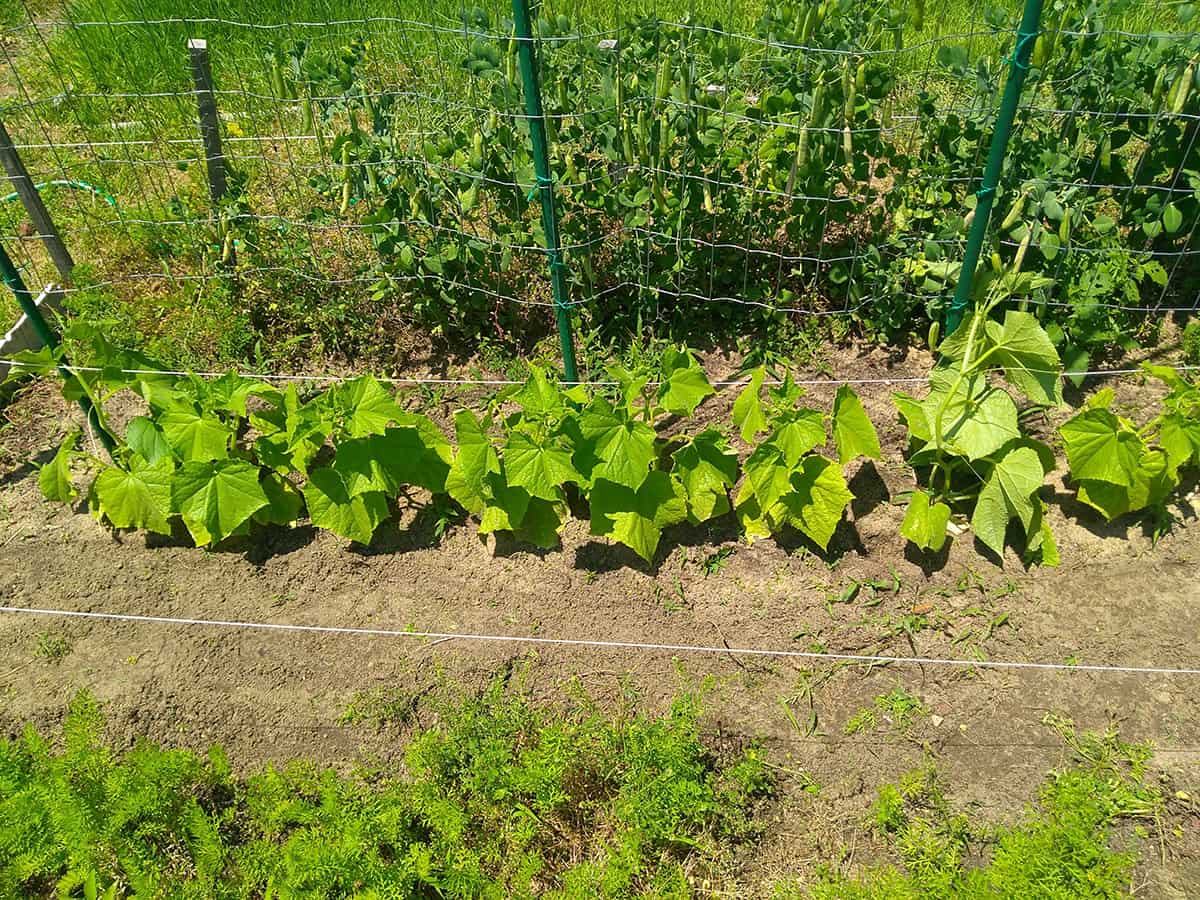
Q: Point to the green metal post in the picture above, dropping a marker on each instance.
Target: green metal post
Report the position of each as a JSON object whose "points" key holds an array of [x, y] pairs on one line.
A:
{"points": [[13, 279], [545, 183], [986, 195]]}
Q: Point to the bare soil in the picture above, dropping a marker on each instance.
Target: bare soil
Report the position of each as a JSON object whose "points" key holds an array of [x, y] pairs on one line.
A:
{"points": [[1117, 599]]}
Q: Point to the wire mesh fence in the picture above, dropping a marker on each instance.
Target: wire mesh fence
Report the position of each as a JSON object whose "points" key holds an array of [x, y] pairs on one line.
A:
{"points": [[719, 172]]}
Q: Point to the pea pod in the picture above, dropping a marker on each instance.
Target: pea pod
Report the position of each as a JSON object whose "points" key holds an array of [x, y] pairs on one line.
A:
{"points": [[932, 337], [1106, 152], [1064, 227], [346, 177], [227, 247], [277, 79], [1183, 88], [708, 199], [1160, 89], [806, 30], [1014, 213]]}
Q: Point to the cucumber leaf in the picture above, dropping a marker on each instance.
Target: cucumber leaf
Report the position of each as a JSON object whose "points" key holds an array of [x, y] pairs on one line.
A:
{"points": [[637, 518], [139, 497], [925, 522], [330, 506], [215, 498], [853, 433]]}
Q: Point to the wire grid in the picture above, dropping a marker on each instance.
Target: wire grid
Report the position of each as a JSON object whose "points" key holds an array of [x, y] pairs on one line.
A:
{"points": [[700, 192]]}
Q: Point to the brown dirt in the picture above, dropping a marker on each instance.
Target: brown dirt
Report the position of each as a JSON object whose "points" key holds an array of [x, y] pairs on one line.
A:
{"points": [[1117, 599]]}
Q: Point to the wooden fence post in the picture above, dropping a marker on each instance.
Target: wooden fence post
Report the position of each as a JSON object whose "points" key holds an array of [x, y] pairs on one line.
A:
{"points": [[210, 132], [34, 206]]}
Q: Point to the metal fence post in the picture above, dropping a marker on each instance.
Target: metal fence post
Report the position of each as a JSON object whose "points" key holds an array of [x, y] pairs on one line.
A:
{"points": [[545, 182], [986, 195], [210, 127], [31, 199], [11, 277]]}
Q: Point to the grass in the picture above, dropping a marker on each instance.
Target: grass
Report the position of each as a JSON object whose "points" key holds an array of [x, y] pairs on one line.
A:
{"points": [[504, 799]]}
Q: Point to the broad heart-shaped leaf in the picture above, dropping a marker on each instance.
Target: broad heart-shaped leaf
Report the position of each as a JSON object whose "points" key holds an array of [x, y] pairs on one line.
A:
{"points": [[796, 432], [331, 507], [365, 406], [976, 419], [853, 433], [768, 476], [1100, 448], [615, 447], [284, 501], [475, 460], [539, 526], [195, 437], [707, 469], [748, 412], [539, 397], [505, 505], [54, 478], [137, 498], [292, 433], [227, 393], [684, 384], [913, 413], [1153, 482], [216, 498], [818, 498], [387, 462], [925, 522], [1009, 492], [539, 467], [1022, 348], [1179, 436], [637, 518], [146, 439]]}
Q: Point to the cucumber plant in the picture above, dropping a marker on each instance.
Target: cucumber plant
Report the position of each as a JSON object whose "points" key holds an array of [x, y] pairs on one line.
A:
{"points": [[1120, 468], [786, 482], [966, 439]]}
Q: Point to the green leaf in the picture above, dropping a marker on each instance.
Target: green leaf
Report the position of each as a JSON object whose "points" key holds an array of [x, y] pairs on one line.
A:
{"points": [[617, 447], [684, 383], [331, 507], [818, 499], [284, 501], [707, 469], [137, 498], [797, 432], [146, 439], [767, 476], [913, 414], [540, 397], [54, 478], [1023, 349], [853, 433], [1100, 448], [540, 524], [1009, 492], [216, 498], [365, 405], [1152, 482], [506, 505], [1179, 436], [637, 518], [976, 419], [925, 522], [748, 412], [476, 458], [385, 463], [195, 437], [539, 467]]}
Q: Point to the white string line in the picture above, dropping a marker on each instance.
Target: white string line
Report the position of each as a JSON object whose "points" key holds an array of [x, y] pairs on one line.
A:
{"points": [[607, 645], [815, 382]]}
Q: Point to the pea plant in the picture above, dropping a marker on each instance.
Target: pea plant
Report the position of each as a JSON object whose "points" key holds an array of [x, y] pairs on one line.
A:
{"points": [[1119, 467]]}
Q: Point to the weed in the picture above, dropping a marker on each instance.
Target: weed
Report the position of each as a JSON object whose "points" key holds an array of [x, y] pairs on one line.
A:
{"points": [[899, 710], [52, 647], [715, 561]]}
